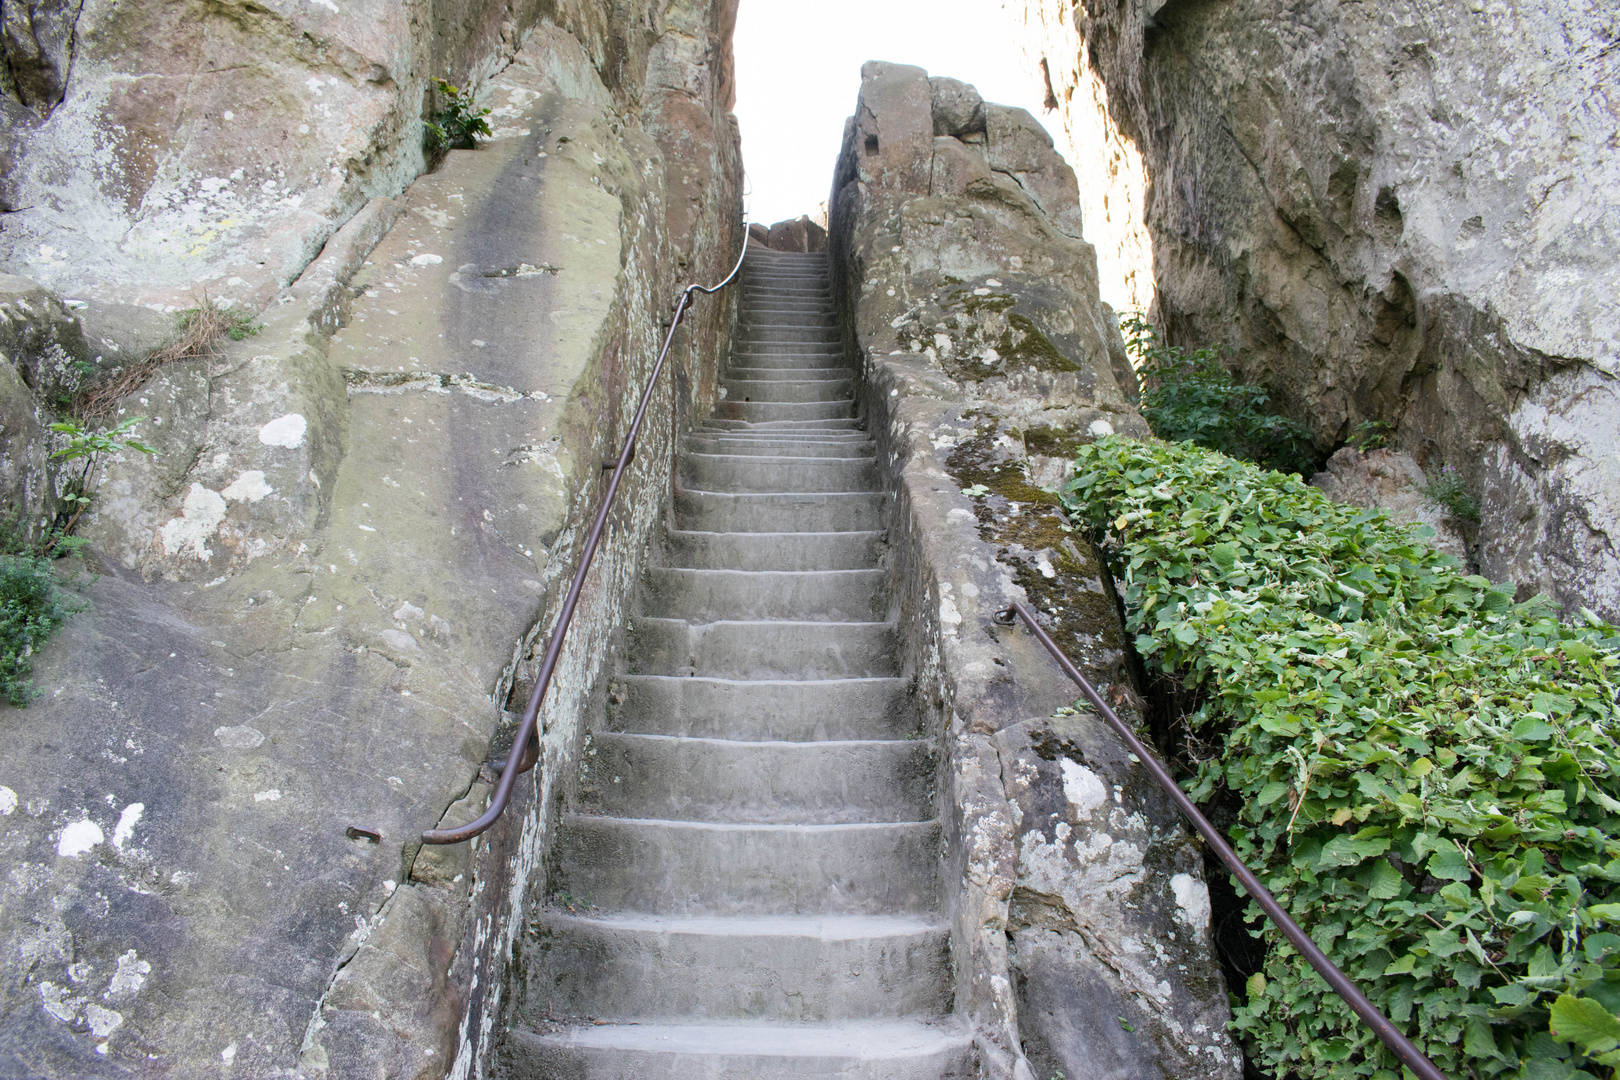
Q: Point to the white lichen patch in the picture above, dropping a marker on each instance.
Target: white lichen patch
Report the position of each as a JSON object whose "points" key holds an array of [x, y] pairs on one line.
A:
{"points": [[399, 640], [248, 487], [239, 738], [200, 516], [273, 795], [78, 838], [286, 431], [1083, 789], [1192, 902], [128, 979], [8, 801], [103, 1022], [126, 824]]}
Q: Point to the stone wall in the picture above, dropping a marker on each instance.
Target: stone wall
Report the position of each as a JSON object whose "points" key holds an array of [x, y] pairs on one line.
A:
{"points": [[1400, 212], [1079, 911], [316, 602]]}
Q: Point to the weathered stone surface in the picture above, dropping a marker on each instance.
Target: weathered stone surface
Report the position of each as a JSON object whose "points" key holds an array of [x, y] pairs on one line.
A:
{"points": [[1108, 882], [41, 339], [988, 357], [796, 234], [1393, 212], [958, 108], [1390, 480], [213, 147], [312, 603]]}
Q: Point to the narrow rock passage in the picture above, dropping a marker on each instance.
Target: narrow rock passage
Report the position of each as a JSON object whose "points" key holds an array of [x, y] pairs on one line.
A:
{"points": [[749, 885]]}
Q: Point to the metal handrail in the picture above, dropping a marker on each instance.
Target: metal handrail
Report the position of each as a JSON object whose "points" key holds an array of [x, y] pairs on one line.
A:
{"points": [[565, 618], [1398, 1043]]}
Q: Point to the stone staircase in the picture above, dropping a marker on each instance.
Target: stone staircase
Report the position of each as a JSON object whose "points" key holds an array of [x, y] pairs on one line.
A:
{"points": [[748, 886]]}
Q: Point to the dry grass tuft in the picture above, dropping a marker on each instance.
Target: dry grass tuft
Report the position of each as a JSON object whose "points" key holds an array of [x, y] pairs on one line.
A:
{"points": [[199, 331]]}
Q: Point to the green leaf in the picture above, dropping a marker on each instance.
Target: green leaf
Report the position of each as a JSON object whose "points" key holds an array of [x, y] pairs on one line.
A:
{"points": [[1532, 729], [1449, 865], [1403, 966], [1277, 790], [1224, 555], [1585, 1023], [1386, 881]]}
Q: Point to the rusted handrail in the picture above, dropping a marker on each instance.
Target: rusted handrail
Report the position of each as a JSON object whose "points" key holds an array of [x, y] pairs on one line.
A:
{"points": [[565, 618], [1398, 1043]]}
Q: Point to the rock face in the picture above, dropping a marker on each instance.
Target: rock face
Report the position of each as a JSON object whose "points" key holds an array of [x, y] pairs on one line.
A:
{"points": [[316, 600], [1392, 212], [1392, 481], [798, 234], [1079, 905]]}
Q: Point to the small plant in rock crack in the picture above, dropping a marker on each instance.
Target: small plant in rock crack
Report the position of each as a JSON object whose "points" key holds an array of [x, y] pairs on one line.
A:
{"points": [[457, 125], [88, 447], [1371, 435], [1447, 490]]}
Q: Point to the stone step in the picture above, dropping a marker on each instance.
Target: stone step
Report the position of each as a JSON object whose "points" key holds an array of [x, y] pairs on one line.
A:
{"points": [[788, 446], [774, 551], [707, 596], [788, 710], [802, 352], [721, 511], [755, 472], [772, 783], [789, 969], [752, 649], [751, 333], [757, 782], [755, 412], [790, 374], [704, 868], [840, 388], [869, 1050], [757, 314]]}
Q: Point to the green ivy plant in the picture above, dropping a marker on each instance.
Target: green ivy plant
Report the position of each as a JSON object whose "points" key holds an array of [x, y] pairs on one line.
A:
{"points": [[1190, 396], [1427, 773], [459, 123]]}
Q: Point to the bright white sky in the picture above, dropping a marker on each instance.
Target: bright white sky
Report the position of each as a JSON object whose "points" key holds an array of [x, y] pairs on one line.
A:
{"points": [[799, 71]]}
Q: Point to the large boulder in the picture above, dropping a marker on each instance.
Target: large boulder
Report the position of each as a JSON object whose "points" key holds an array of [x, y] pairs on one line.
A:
{"points": [[1393, 212]]}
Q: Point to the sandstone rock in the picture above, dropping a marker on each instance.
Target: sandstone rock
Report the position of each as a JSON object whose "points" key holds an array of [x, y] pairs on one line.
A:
{"points": [[37, 36], [798, 234], [958, 108], [1391, 481], [41, 339], [988, 357], [346, 544], [1326, 197]]}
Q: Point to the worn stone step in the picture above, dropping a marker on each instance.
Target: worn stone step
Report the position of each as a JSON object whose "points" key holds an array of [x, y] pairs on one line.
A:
{"points": [[721, 511], [789, 446], [755, 412], [791, 374], [774, 551], [745, 781], [791, 361], [781, 709], [705, 868], [791, 969], [773, 333], [840, 388], [866, 1050], [705, 596], [754, 472], [760, 314], [777, 649]]}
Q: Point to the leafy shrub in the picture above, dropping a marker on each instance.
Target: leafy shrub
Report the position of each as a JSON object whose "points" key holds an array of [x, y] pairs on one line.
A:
{"points": [[31, 608], [1447, 491], [457, 125], [1191, 397], [1428, 773], [1371, 435]]}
